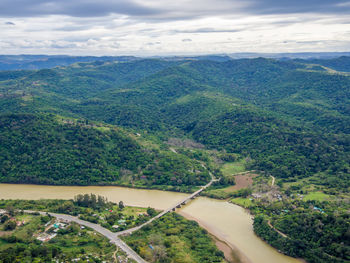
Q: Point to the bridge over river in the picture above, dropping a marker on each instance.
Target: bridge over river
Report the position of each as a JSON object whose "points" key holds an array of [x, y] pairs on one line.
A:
{"points": [[114, 237], [171, 208]]}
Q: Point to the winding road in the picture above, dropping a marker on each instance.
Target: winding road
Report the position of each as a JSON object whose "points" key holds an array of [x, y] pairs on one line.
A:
{"points": [[103, 231], [114, 237]]}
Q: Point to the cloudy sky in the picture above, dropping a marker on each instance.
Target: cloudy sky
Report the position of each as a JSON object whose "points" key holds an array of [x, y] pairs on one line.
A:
{"points": [[164, 27]]}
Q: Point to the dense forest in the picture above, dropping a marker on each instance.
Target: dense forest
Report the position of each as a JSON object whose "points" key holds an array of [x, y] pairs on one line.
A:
{"points": [[315, 236], [16, 62], [276, 146], [340, 64], [39, 150], [44, 149], [292, 121]]}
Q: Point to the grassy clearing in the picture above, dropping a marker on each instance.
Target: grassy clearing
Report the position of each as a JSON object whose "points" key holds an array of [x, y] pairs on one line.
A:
{"points": [[133, 211], [310, 184], [229, 169], [24, 217], [245, 202], [102, 128], [317, 196]]}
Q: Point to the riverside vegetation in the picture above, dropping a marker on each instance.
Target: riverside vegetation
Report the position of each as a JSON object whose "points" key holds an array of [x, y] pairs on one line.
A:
{"points": [[299, 218], [92, 208], [171, 238], [285, 118], [20, 234]]}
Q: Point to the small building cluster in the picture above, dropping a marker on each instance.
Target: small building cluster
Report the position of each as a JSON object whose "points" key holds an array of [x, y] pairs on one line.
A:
{"points": [[318, 209], [4, 212], [51, 230]]}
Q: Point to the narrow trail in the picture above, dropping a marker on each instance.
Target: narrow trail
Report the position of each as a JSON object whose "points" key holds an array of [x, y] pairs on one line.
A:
{"points": [[279, 232], [173, 150], [246, 172], [115, 255], [273, 180]]}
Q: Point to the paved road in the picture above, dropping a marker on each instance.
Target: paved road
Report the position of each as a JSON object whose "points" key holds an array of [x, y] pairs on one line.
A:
{"points": [[103, 231], [173, 207], [113, 237]]}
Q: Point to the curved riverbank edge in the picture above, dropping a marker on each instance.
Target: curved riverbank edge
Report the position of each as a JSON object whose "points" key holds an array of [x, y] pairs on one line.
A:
{"points": [[240, 228], [232, 253], [232, 246]]}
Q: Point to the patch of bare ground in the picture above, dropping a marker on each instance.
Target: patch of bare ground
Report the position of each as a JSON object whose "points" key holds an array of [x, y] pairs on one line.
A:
{"points": [[186, 143], [5, 233], [242, 181]]}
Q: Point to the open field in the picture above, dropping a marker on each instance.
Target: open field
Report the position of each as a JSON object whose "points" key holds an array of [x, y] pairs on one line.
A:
{"points": [[244, 202], [229, 169], [242, 181], [317, 196]]}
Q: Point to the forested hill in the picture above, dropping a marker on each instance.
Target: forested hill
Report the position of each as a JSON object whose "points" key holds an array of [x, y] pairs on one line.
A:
{"points": [[31, 62], [18, 62], [46, 149], [292, 118], [339, 64]]}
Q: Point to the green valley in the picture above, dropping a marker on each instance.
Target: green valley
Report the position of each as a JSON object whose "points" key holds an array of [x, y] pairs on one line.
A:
{"points": [[275, 132]]}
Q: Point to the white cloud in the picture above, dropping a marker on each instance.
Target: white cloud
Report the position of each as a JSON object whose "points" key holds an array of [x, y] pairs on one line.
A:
{"points": [[182, 27]]}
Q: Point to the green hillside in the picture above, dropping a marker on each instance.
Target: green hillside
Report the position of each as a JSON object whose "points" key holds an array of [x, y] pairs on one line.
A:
{"points": [[341, 64], [45, 149], [162, 123], [293, 122], [275, 146]]}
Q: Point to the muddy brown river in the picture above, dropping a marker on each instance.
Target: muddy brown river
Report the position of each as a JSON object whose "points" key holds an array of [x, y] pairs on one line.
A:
{"points": [[229, 223]]}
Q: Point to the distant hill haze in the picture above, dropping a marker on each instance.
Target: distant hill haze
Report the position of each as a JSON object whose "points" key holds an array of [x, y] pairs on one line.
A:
{"points": [[30, 62]]}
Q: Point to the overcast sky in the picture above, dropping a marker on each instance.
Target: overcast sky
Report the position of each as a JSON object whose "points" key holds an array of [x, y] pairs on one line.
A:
{"points": [[164, 27]]}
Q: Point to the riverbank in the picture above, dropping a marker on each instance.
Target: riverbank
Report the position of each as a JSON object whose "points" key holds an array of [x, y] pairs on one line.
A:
{"points": [[228, 222], [132, 197], [168, 188], [234, 225], [195, 243], [232, 253]]}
